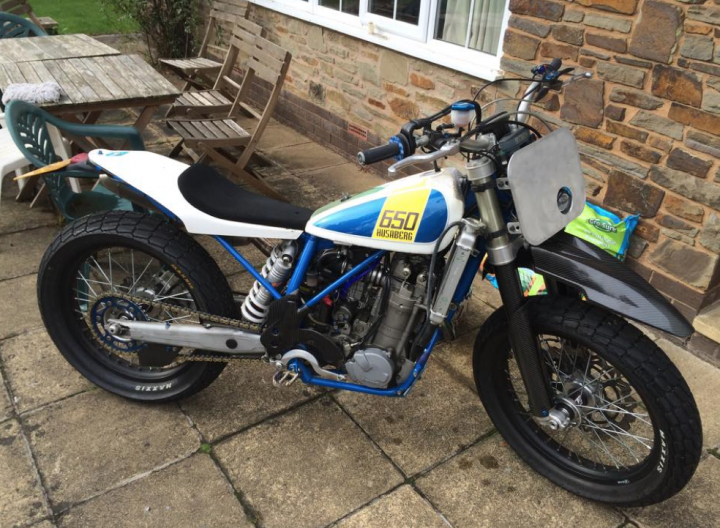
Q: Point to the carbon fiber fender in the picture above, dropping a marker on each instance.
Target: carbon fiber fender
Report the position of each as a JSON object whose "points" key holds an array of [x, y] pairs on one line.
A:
{"points": [[607, 282]]}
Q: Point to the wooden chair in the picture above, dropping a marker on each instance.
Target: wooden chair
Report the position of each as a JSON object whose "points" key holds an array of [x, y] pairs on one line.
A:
{"points": [[28, 126], [23, 8], [200, 71], [214, 138], [13, 26], [219, 100]]}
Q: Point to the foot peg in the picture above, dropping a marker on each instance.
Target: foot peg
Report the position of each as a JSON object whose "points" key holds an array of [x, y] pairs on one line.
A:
{"points": [[284, 378]]}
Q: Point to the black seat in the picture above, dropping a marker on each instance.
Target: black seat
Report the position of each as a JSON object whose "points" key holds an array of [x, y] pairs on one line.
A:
{"points": [[210, 192]]}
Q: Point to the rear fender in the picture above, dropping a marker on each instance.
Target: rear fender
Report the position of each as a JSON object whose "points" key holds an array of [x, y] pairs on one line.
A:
{"points": [[607, 282]]}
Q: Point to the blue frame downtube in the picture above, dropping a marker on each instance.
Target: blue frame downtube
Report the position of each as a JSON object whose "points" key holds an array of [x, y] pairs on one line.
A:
{"points": [[249, 267], [302, 265], [306, 375]]}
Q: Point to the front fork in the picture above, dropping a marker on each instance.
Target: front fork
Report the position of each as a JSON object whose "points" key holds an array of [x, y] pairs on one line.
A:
{"points": [[501, 252]]}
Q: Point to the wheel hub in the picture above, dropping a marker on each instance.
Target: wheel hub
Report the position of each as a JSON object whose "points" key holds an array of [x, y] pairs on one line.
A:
{"points": [[573, 404], [111, 334]]}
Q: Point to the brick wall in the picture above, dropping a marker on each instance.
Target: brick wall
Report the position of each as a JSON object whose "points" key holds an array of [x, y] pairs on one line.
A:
{"points": [[336, 81], [648, 122]]}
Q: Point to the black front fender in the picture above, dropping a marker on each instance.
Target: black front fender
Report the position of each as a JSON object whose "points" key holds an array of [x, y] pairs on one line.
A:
{"points": [[607, 282]]}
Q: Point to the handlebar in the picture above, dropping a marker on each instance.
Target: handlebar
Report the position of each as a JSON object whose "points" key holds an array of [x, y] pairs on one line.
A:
{"points": [[375, 154], [448, 149], [440, 143]]}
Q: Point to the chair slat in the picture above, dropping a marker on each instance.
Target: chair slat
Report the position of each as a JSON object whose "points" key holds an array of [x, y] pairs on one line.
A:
{"points": [[262, 71]]}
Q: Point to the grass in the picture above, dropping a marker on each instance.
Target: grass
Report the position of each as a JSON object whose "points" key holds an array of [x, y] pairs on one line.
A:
{"points": [[92, 17]]}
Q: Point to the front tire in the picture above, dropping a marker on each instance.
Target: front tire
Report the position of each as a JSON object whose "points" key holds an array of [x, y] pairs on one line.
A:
{"points": [[144, 250], [637, 436]]}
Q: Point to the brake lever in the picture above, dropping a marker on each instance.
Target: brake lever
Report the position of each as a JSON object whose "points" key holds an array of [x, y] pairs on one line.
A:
{"points": [[578, 77], [448, 149]]}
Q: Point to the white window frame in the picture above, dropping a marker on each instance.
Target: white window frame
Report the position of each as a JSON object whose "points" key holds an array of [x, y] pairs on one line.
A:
{"points": [[418, 42]]}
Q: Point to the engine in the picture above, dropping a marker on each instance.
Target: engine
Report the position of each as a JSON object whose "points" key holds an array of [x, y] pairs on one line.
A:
{"points": [[375, 317]]}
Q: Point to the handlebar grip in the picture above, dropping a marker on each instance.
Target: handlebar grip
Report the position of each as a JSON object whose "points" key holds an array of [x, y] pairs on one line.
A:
{"points": [[556, 64], [375, 154]]}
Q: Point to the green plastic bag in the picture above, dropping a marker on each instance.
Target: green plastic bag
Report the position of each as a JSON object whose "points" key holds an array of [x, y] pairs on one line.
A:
{"points": [[596, 226], [603, 229]]}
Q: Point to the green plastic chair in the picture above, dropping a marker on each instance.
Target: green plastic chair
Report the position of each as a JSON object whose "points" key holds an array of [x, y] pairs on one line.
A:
{"points": [[28, 127], [13, 26]]}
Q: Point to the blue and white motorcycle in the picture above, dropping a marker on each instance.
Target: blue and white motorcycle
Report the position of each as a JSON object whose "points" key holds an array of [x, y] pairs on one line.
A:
{"points": [[356, 295]]}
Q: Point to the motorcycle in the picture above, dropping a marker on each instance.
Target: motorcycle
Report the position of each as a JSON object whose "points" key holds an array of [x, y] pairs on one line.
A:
{"points": [[356, 295]]}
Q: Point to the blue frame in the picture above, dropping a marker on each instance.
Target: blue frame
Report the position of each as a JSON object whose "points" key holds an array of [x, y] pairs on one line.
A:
{"points": [[312, 245]]}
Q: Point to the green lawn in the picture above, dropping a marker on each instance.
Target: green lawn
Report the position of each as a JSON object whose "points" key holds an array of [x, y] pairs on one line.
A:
{"points": [[83, 16]]}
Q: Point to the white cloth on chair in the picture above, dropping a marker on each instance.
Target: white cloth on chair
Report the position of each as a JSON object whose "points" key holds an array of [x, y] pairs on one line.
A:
{"points": [[47, 92]]}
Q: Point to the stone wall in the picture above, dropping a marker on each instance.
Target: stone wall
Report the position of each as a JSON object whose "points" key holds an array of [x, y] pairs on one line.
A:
{"points": [[648, 122], [341, 89]]}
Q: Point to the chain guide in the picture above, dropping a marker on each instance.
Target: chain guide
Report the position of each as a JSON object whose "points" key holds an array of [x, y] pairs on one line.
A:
{"points": [[174, 311]]}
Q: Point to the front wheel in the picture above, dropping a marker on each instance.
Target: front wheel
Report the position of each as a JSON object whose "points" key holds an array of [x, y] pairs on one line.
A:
{"points": [[634, 437]]}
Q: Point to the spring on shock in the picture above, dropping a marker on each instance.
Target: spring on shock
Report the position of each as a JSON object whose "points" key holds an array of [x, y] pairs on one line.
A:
{"points": [[276, 270]]}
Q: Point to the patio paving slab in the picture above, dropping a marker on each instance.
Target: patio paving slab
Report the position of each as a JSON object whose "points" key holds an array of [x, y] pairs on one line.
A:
{"points": [[339, 180], [6, 408], [482, 289], [305, 157], [696, 506], [37, 373], [475, 312], [704, 382], [226, 262], [456, 357], [490, 486], [17, 216], [20, 253], [307, 468], [278, 136], [437, 418], [243, 395], [241, 282], [91, 442], [18, 306], [188, 494], [294, 188], [21, 499], [403, 507]]}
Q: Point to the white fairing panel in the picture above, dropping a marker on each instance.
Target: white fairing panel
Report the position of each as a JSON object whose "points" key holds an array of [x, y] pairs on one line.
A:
{"points": [[156, 176], [407, 215]]}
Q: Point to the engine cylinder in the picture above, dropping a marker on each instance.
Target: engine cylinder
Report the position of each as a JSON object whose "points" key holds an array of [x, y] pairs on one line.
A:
{"points": [[400, 306]]}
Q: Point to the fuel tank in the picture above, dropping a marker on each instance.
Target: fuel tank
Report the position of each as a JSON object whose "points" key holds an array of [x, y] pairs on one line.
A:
{"points": [[407, 215]]}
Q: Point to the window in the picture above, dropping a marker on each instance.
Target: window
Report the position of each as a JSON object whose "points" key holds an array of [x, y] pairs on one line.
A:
{"points": [[463, 35]]}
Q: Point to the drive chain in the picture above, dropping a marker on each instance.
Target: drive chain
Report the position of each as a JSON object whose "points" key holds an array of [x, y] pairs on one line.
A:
{"points": [[178, 311]]}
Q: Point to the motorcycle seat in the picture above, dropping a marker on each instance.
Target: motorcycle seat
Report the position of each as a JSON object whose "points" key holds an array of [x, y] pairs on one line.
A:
{"points": [[210, 192]]}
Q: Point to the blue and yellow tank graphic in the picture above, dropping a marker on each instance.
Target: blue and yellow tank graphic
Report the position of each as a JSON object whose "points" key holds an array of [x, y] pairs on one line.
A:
{"points": [[415, 216]]}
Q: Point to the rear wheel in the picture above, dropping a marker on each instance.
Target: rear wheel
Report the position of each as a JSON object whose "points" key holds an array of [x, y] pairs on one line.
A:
{"points": [[106, 256], [634, 436]]}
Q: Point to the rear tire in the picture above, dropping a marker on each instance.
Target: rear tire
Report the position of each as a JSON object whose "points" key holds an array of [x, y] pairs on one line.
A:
{"points": [[669, 419], [147, 235]]}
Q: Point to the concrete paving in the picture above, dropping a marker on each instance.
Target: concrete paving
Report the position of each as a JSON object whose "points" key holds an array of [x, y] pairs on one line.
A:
{"points": [[243, 453]]}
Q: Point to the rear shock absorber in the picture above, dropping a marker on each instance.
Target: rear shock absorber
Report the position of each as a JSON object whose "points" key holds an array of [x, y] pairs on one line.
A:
{"points": [[276, 270]]}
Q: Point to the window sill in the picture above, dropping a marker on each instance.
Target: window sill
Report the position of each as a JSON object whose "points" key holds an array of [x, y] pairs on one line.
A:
{"points": [[474, 63]]}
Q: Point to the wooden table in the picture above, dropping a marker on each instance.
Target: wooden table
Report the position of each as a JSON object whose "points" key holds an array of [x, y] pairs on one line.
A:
{"points": [[92, 85], [52, 47]]}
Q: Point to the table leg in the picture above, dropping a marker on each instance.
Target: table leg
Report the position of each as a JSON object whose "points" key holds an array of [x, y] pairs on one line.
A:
{"points": [[92, 117], [62, 149]]}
